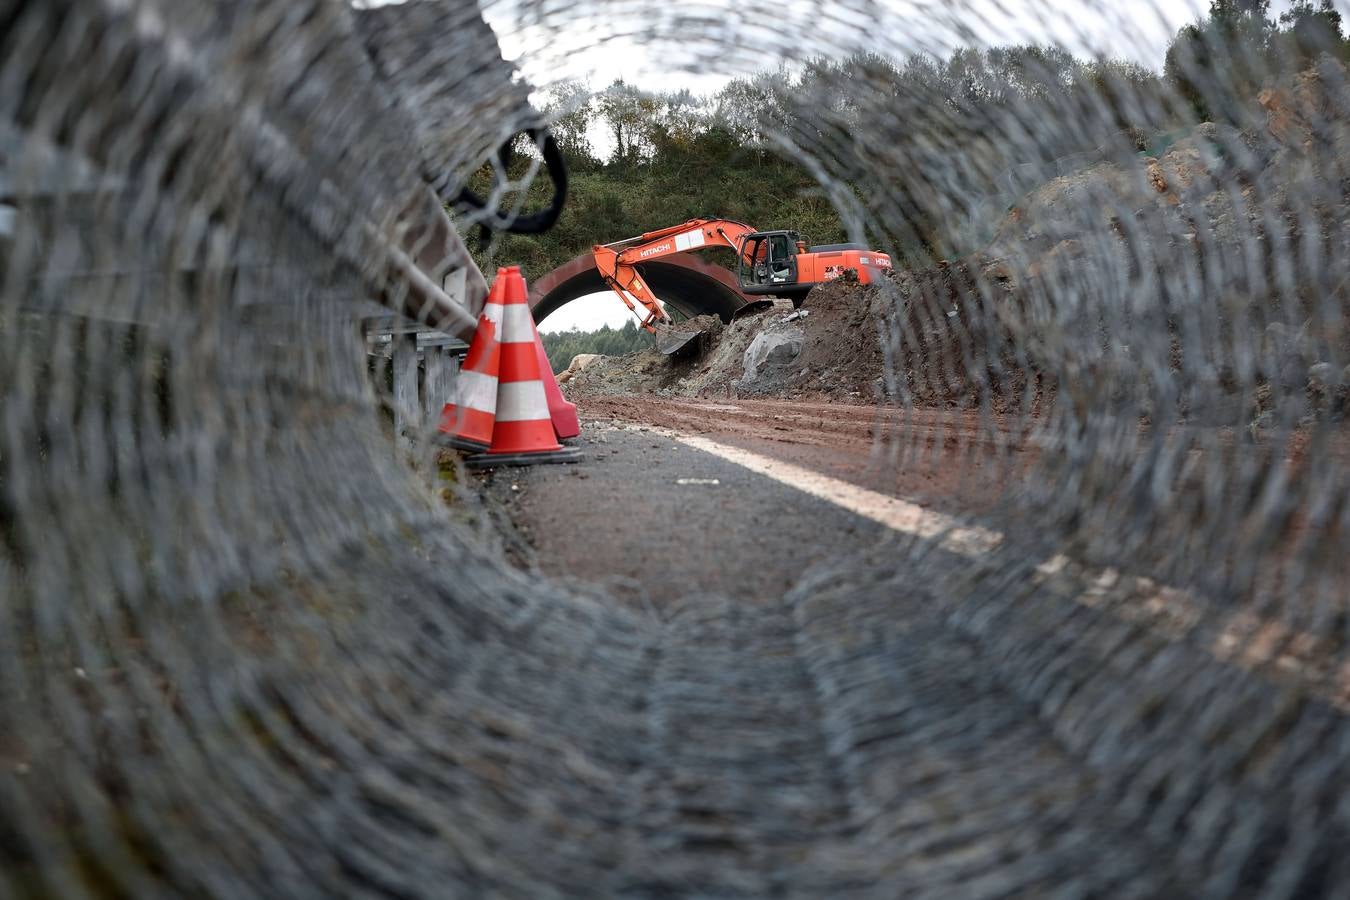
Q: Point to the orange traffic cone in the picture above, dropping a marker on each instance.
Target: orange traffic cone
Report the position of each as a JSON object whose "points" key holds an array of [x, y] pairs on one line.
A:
{"points": [[564, 413], [467, 420], [523, 432]]}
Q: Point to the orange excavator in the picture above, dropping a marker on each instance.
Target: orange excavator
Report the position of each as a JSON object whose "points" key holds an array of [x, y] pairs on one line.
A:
{"points": [[769, 263]]}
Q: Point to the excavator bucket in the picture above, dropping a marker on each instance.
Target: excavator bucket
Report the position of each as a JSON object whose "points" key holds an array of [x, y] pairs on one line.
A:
{"points": [[687, 337], [673, 339]]}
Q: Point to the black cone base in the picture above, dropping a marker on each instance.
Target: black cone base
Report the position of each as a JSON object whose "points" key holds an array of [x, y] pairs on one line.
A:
{"points": [[459, 443], [491, 460]]}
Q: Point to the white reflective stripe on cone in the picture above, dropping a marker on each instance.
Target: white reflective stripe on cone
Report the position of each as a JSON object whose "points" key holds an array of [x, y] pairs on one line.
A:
{"points": [[493, 312], [475, 390], [517, 325], [521, 401]]}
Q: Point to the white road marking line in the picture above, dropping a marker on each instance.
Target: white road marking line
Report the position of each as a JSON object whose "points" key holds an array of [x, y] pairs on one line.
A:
{"points": [[1246, 641], [896, 514]]}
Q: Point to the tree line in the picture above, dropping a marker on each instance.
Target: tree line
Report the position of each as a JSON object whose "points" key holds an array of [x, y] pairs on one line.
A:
{"points": [[562, 346]]}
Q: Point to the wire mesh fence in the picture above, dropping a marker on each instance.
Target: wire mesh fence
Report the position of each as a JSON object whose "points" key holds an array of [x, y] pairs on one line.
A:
{"points": [[244, 651]]}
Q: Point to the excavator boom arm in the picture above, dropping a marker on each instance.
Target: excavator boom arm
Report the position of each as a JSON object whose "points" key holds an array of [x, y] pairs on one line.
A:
{"points": [[617, 262], [626, 281]]}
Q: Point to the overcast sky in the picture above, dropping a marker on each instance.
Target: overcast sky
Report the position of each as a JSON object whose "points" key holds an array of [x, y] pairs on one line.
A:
{"points": [[700, 46]]}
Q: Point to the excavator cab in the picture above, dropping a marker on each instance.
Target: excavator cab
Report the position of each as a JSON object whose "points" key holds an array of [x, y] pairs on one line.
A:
{"points": [[769, 261]]}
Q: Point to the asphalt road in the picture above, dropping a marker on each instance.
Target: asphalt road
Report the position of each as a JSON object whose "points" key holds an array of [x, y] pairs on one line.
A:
{"points": [[812, 707], [656, 520]]}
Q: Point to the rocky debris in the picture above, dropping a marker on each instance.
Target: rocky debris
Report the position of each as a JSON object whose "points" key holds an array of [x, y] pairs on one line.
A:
{"points": [[578, 364], [1305, 107], [706, 372], [774, 348], [829, 348], [707, 324], [1327, 391]]}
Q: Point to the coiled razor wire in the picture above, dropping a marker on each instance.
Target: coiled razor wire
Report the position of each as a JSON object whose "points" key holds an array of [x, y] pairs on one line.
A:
{"points": [[245, 652]]}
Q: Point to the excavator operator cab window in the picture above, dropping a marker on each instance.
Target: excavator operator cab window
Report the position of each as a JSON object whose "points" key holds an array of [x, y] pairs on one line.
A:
{"points": [[780, 258], [756, 254], [769, 258]]}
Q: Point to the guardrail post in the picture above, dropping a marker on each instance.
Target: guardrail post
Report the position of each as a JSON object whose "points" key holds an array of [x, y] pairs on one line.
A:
{"points": [[406, 413], [438, 375]]}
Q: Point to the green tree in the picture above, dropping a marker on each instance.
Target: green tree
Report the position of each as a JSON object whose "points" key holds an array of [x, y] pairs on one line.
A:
{"points": [[630, 114], [570, 110], [780, 149], [1218, 64], [563, 346], [1241, 15], [1312, 29]]}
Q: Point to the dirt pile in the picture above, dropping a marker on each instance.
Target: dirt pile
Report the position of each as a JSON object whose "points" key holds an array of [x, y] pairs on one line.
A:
{"points": [[705, 369], [908, 336], [579, 362], [831, 348], [842, 354]]}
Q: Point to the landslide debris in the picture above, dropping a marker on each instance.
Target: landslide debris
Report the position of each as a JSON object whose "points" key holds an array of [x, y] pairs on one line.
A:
{"points": [[830, 347], [705, 370]]}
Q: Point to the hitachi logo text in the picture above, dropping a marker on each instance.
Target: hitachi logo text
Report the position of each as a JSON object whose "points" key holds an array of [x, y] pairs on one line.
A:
{"points": [[660, 248]]}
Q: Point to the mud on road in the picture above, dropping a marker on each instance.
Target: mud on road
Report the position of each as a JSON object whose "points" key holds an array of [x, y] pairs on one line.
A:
{"points": [[954, 460]]}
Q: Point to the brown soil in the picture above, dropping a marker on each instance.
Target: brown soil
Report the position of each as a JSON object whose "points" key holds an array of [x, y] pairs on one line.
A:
{"points": [[913, 335], [843, 353]]}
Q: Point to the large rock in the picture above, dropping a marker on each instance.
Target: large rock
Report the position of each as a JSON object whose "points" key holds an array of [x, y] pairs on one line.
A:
{"points": [[579, 363], [772, 348]]}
